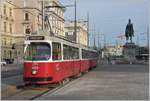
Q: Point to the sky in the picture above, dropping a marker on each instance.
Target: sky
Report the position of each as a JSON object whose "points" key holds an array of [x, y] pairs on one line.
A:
{"points": [[109, 17]]}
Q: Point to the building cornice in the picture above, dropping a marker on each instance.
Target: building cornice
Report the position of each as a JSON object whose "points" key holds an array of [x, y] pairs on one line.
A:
{"points": [[27, 8]]}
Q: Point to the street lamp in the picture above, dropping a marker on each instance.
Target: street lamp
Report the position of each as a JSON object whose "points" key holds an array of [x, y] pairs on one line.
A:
{"points": [[16, 48]]}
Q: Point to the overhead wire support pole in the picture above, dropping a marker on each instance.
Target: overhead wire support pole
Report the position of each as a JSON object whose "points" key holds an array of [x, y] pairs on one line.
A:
{"points": [[98, 40], [88, 34], [94, 37], [104, 41], [148, 37], [42, 3], [75, 23]]}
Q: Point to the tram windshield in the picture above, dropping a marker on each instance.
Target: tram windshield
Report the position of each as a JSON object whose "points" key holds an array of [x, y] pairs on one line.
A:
{"points": [[37, 51]]}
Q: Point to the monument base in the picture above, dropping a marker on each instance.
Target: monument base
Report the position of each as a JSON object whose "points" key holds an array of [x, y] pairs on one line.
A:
{"points": [[130, 51]]}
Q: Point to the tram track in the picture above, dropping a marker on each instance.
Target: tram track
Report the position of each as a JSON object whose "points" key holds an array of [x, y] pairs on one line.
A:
{"points": [[34, 92]]}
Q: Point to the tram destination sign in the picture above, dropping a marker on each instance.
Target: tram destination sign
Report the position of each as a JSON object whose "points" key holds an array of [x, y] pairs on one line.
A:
{"points": [[36, 38]]}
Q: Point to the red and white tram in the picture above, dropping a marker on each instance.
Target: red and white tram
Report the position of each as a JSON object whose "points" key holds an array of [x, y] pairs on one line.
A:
{"points": [[50, 60]]}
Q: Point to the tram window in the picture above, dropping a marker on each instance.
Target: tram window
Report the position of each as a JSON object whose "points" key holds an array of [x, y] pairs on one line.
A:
{"points": [[84, 55], [75, 53], [56, 51], [70, 52], [66, 52], [38, 51]]}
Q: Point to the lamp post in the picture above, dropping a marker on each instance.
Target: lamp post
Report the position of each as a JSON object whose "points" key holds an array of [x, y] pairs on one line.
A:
{"points": [[14, 47]]}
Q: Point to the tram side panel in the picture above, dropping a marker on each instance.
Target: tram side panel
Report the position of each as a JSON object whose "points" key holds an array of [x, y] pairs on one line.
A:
{"points": [[67, 68], [40, 73], [76, 67], [84, 65], [56, 70], [51, 72]]}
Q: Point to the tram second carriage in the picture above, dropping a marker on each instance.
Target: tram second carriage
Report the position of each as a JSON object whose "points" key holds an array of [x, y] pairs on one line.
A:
{"points": [[52, 61]]}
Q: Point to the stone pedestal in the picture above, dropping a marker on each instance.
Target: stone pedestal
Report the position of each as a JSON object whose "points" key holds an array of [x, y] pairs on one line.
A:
{"points": [[130, 51]]}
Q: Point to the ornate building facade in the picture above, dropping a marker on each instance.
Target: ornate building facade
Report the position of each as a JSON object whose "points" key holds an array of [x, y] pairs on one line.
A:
{"points": [[55, 12], [20, 18], [81, 35], [7, 29]]}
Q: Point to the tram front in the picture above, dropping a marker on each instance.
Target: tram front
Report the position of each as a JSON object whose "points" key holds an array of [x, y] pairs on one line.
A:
{"points": [[37, 57]]}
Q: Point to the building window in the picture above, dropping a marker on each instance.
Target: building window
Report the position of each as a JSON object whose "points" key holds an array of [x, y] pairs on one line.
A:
{"points": [[5, 29], [4, 41], [4, 53], [10, 11], [38, 18], [26, 16], [10, 41], [4, 9], [10, 54], [10, 28]]}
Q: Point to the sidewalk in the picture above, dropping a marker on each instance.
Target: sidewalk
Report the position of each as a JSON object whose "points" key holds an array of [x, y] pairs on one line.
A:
{"points": [[104, 61], [9, 67], [115, 82]]}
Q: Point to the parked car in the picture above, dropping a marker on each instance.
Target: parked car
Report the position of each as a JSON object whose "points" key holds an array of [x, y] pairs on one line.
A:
{"points": [[3, 63], [9, 61]]}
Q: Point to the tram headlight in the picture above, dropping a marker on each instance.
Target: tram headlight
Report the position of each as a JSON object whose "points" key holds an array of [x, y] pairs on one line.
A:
{"points": [[34, 72], [34, 68]]}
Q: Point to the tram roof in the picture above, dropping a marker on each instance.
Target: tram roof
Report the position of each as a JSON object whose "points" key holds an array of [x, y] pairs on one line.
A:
{"points": [[61, 40]]}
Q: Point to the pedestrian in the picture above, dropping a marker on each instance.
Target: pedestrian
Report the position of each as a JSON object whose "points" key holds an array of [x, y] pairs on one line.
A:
{"points": [[108, 60]]}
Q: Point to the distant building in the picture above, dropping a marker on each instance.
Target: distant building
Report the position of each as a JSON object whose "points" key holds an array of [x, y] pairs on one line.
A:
{"points": [[114, 50], [142, 53], [81, 35]]}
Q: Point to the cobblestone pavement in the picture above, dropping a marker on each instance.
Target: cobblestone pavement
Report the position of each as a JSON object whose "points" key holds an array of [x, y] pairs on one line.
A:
{"points": [[10, 67], [107, 82], [11, 70]]}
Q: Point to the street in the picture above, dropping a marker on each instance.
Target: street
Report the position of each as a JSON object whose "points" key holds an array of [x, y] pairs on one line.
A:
{"points": [[106, 82], [74, 49]]}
